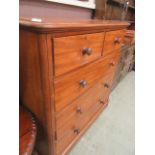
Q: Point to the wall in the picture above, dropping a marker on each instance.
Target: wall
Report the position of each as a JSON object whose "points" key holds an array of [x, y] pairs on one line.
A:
{"points": [[39, 9]]}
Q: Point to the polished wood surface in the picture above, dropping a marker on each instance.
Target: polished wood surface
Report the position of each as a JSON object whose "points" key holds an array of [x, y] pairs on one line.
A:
{"points": [[129, 37], [69, 124], [80, 106], [27, 132], [36, 72], [66, 74], [75, 140], [47, 25], [88, 74], [74, 51], [113, 41], [30, 80]]}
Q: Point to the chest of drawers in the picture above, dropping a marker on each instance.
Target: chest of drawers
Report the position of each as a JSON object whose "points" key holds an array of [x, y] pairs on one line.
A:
{"points": [[66, 73]]}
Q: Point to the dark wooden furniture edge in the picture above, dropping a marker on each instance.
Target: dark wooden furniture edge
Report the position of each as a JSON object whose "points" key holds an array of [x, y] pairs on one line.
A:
{"points": [[32, 130], [47, 25]]}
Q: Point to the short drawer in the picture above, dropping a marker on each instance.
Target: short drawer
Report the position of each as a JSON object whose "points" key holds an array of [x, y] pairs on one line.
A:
{"points": [[71, 121], [72, 85], [74, 51], [107, 82], [113, 41]]}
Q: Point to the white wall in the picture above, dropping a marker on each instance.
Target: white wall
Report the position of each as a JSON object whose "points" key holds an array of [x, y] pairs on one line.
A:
{"points": [[88, 4]]}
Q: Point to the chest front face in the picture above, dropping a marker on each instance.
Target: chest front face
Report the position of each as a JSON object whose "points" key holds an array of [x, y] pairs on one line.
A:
{"points": [[66, 79], [84, 67]]}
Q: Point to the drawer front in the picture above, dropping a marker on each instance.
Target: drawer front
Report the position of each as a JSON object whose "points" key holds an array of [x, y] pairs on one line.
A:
{"points": [[102, 89], [72, 85], [113, 40], [74, 51], [78, 108], [68, 122], [107, 82]]}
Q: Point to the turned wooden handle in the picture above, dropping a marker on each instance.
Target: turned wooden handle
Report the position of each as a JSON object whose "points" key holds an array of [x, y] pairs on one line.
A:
{"points": [[77, 131], [101, 101], [87, 51], [83, 83], [106, 85], [117, 40], [104, 102], [112, 64], [78, 110]]}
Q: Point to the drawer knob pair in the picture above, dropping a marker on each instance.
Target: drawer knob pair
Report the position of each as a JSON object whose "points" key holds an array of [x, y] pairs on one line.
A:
{"points": [[83, 83], [87, 51], [78, 110], [106, 85], [77, 131], [117, 40]]}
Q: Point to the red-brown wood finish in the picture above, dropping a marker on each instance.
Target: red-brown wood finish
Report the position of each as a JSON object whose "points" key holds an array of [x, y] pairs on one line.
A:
{"points": [[113, 41], [27, 132], [74, 51], [88, 75], [66, 73], [36, 87], [57, 26]]}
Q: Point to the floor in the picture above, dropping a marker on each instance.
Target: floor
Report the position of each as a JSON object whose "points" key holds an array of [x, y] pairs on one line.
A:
{"points": [[113, 132]]}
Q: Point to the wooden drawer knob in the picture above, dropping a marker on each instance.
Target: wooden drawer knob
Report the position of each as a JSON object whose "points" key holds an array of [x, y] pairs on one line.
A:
{"points": [[106, 85], [117, 40], [101, 101], [107, 100], [77, 131], [78, 110], [83, 83], [87, 51], [112, 64]]}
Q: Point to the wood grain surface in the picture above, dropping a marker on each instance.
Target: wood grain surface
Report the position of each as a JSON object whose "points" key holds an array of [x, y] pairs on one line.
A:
{"points": [[60, 84], [74, 51], [69, 84], [69, 124], [27, 132], [52, 25], [113, 41]]}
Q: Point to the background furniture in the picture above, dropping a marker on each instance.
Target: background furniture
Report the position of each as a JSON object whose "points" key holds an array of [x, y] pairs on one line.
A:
{"points": [[66, 75], [27, 132], [42, 9], [123, 10], [115, 10], [127, 59]]}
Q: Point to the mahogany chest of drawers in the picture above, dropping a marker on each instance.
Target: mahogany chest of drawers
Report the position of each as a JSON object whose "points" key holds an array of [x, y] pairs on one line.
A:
{"points": [[66, 73]]}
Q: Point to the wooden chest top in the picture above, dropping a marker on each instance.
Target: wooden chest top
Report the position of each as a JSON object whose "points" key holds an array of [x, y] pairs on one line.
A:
{"points": [[51, 25]]}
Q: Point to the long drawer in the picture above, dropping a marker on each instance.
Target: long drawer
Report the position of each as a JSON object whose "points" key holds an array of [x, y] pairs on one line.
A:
{"points": [[74, 51], [71, 121], [72, 85], [113, 41]]}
